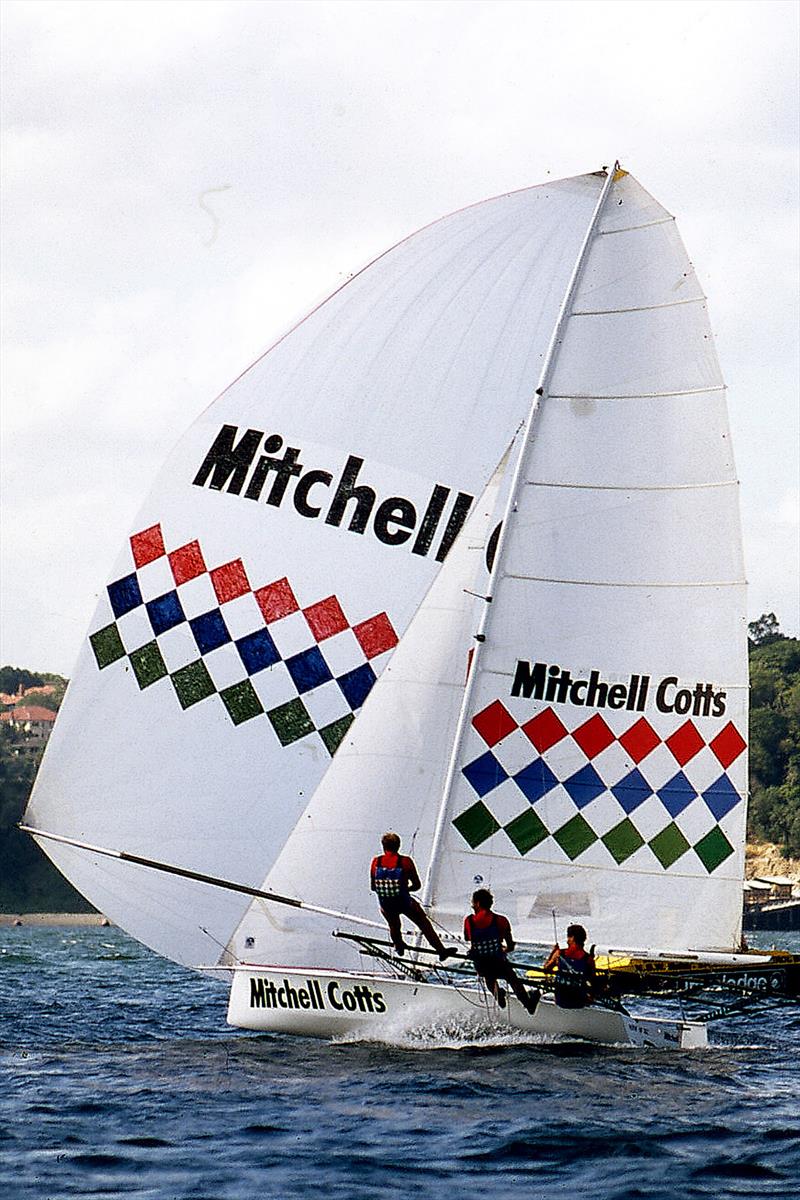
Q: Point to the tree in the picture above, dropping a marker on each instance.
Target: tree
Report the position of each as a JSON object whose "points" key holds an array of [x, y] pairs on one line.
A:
{"points": [[765, 630]]}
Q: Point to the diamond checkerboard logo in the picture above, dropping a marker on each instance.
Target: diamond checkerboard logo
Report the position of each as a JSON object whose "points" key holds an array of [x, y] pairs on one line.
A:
{"points": [[625, 791], [259, 650]]}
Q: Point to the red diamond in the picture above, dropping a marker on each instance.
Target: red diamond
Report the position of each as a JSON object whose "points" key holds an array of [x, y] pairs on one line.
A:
{"points": [[376, 635], [685, 742], [728, 745], [593, 736], [230, 581], [639, 740], [325, 618], [276, 600], [147, 546], [544, 730], [187, 562], [494, 723]]}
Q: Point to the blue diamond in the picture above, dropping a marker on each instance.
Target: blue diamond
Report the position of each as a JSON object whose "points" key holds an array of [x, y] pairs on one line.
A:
{"points": [[165, 612], [308, 670], [485, 773], [721, 797], [257, 651], [535, 780], [632, 791], [124, 595], [357, 685], [676, 794], [585, 785], [210, 631]]}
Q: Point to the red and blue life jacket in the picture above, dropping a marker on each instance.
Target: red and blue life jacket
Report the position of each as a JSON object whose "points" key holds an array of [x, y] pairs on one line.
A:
{"points": [[390, 883], [485, 941]]}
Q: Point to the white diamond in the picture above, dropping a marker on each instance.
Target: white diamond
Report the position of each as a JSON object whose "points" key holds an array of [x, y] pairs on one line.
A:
{"points": [[135, 629], [505, 802], [156, 578], [650, 818], [243, 616], [197, 596], [291, 634], [695, 821], [274, 686], [603, 814], [225, 666], [178, 647], [342, 652], [326, 704]]}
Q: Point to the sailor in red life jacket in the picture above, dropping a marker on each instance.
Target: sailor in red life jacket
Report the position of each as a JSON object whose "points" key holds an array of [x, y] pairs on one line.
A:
{"points": [[393, 877], [490, 939], [574, 968]]}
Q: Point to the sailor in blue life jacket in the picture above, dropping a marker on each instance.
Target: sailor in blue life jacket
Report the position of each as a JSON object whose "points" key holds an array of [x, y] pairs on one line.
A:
{"points": [[490, 938], [393, 877], [574, 968]]}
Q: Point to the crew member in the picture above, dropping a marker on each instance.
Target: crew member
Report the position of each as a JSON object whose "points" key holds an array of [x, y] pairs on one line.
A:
{"points": [[393, 877], [490, 939], [574, 968]]}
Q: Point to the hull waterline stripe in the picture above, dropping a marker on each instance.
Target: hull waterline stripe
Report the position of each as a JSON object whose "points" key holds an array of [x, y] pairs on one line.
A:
{"points": [[184, 873]]}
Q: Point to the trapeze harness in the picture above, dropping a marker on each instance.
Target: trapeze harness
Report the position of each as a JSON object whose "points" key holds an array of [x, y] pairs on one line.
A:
{"points": [[573, 977], [391, 886], [486, 947]]}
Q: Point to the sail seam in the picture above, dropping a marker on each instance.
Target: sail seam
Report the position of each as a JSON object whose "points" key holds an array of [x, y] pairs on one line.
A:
{"points": [[634, 487], [630, 228], [605, 312], [622, 583], [702, 391]]}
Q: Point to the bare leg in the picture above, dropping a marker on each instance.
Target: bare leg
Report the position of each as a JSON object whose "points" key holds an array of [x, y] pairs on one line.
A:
{"points": [[416, 913]]}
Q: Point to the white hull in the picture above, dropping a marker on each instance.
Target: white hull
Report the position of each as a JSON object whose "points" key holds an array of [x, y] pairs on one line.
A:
{"points": [[316, 1003]]}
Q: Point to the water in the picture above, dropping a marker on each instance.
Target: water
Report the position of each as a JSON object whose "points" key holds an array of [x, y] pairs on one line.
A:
{"points": [[121, 1079]]}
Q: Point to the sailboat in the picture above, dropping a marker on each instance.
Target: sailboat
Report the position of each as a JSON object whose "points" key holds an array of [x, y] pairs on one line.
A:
{"points": [[458, 556]]}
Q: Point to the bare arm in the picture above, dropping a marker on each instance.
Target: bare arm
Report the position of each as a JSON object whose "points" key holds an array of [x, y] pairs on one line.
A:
{"points": [[552, 958]]}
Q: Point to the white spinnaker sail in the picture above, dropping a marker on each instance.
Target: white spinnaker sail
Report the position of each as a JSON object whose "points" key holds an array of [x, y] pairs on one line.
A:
{"points": [[389, 771], [283, 550], [602, 771], [622, 566]]}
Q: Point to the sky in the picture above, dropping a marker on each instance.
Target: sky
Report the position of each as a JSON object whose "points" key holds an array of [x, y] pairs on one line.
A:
{"points": [[183, 181]]}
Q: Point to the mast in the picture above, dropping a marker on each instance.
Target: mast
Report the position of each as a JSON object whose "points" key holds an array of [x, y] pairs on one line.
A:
{"points": [[551, 357]]}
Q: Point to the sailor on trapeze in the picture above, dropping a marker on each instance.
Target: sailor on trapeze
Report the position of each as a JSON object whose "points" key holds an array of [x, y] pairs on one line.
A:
{"points": [[393, 877]]}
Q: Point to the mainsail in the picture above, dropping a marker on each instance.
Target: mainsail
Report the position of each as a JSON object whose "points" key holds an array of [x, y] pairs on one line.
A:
{"points": [[600, 740], [283, 551]]}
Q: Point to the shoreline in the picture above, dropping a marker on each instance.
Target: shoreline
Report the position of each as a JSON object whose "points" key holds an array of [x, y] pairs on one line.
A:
{"points": [[63, 919]]}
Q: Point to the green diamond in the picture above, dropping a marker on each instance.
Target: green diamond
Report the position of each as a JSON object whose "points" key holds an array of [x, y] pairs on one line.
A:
{"points": [[107, 645], [622, 840], [291, 721], [526, 831], [713, 849], [241, 702], [669, 845], [575, 837], [476, 824], [332, 734], [193, 683], [148, 665]]}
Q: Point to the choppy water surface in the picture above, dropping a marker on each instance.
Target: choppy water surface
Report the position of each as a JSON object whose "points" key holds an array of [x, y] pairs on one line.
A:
{"points": [[120, 1078]]}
